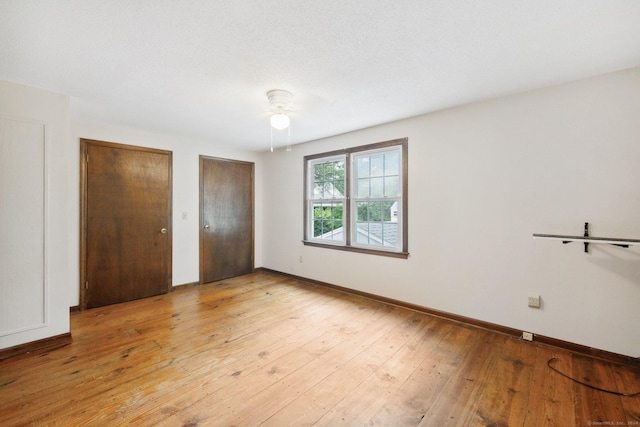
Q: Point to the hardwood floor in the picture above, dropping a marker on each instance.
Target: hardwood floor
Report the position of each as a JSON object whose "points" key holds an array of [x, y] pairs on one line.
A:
{"points": [[265, 349]]}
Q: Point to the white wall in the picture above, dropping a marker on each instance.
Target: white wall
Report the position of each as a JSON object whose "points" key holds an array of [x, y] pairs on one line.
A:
{"points": [[186, 154], [50, 109], [482, 179]]}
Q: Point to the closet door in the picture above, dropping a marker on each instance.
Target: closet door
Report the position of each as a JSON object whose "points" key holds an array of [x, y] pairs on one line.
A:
{"points": [[128, 222], [226, 218]]}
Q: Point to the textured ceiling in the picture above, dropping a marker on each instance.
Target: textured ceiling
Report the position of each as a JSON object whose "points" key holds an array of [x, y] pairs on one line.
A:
{"points": [[201, 68]]}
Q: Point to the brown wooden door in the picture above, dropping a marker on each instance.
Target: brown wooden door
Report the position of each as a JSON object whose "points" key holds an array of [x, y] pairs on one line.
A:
{"points": [[226, 219], [127, 222]]}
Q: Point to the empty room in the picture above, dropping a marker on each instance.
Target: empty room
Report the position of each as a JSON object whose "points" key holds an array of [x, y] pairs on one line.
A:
{"points": [[330, 213]]}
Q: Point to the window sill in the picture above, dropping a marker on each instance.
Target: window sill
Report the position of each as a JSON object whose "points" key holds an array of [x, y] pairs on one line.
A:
{"points": [[402, 255]]}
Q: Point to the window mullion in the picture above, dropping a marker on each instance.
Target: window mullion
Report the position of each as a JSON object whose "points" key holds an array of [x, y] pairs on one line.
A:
{"points": [[347, 204]]}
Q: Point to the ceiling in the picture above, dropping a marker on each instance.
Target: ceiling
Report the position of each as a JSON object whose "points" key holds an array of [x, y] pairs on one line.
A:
{"points": [[201, 68]]}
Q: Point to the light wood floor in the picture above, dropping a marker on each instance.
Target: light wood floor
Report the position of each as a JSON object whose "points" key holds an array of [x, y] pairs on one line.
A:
{"points": [[264, 349]]}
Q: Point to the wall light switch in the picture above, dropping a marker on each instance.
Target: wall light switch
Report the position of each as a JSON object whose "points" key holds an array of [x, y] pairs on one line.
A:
{"points": [[534, 302]]}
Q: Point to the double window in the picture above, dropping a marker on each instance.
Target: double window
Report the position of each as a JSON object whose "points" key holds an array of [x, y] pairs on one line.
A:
{"points": [[356, 199]]}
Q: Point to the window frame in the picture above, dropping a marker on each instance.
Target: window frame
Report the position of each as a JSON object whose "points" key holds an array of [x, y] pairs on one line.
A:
{"points": [[349, 215]]}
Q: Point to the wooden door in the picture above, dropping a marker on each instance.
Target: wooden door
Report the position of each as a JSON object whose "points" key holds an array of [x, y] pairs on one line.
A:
{"points": [[126, 228], [226, 219]]}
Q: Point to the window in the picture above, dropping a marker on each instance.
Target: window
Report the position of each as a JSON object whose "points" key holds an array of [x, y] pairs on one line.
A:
{"points": [[356, 199]]}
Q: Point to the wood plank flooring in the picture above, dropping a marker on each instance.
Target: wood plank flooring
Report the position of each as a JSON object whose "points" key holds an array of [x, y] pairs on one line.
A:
{"points": [[268, 350]]}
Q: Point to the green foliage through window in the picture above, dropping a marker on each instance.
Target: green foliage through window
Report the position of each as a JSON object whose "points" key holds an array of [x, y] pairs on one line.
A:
{"points": [[328, 180], [374, 211], [326, 218]]}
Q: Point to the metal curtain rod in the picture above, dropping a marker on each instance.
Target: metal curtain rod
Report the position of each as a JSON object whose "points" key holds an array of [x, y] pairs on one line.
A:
{"points": [[586, 239]]}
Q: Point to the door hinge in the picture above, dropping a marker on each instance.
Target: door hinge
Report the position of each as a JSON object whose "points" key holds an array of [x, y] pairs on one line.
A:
{"points": [[87, 158], [86, 284]]}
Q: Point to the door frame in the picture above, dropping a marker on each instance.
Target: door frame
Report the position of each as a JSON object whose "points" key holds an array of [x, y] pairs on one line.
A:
{"points": [[84, 143], [201, 160]]}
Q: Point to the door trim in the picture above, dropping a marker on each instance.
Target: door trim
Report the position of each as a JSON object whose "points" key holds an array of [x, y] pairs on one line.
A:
{"points": [[201, 160], [84, 144]]}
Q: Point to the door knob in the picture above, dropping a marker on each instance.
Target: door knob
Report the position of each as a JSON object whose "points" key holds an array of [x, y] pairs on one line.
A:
{"points": [[163, 231], [206, 227]]}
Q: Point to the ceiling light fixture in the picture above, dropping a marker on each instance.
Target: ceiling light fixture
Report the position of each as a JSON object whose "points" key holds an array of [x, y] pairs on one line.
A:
{"points": [[280, 121], [280, 101]]}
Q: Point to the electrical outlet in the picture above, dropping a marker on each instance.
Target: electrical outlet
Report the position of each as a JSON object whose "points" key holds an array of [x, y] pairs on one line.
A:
{"points": [[534, 302], [300, 259], [527, 336]]}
